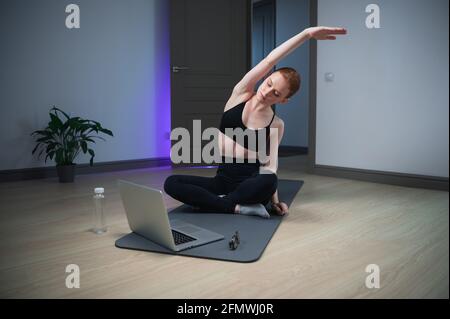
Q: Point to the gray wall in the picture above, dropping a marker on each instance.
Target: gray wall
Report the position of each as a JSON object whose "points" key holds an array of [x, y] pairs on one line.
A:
{"points": [[388, 106], [114, 69], [292, 17]]}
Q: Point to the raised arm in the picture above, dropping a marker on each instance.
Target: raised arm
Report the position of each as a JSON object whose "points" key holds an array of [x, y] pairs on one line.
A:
{"points": [[250, 79]]}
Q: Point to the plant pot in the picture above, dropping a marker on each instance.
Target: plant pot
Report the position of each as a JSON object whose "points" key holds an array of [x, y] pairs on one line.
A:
{"points": [[66, 173]]}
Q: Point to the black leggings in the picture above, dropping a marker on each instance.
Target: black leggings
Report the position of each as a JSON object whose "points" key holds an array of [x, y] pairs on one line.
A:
{"points": [[241, 183]]}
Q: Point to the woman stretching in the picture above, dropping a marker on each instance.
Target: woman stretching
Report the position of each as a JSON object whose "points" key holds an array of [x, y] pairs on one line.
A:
{"points": [[244, 184]]}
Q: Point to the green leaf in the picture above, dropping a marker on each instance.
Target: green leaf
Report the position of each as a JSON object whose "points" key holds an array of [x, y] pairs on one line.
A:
{"points": [[91, 130], [53, 128], [57, 109], [50, 147], [85, 127], [56, 121], [106, 131], [99, 137], [34, 150], [66, 125], [84, 146], [40, 153], [88, 139], [96, 123], [41, 132], [49, 155], [44, 139], [74, 122], [71, 146]]}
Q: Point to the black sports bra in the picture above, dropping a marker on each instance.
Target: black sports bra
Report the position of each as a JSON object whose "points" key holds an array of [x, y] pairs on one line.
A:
{"points": [[232, 119]]}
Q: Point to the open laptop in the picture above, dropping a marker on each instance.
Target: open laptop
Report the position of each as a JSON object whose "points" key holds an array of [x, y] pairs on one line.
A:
{"points": [[147, 216]]}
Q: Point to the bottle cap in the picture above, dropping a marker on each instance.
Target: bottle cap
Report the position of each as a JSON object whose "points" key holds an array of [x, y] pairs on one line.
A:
{"points": [[99, 190]]}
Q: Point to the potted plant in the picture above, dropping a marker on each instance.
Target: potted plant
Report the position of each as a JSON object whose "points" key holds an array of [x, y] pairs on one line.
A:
{"points": [[63, 139]]}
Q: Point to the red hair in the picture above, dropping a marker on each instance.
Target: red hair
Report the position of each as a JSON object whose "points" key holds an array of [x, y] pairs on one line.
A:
{"points": [[293, 78]]}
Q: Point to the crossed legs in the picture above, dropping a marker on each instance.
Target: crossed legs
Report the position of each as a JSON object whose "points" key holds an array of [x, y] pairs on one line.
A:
{"points": [[203, 192]]}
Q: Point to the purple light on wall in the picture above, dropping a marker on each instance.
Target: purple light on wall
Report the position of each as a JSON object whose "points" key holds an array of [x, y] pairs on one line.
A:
{"points": [[161, 73]]}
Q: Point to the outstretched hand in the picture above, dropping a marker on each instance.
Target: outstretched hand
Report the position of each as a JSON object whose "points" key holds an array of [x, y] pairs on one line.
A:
{"points": [[325, 33]]}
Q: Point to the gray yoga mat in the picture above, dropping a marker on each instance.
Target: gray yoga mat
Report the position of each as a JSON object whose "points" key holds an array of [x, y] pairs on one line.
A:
{"points": [[254, 232]]}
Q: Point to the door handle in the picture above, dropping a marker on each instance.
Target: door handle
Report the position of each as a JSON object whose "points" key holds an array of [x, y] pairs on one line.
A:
{"points": [[176, 69]]}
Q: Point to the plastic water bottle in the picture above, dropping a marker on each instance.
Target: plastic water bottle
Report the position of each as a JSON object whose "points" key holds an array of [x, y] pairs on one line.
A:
{"points": [[99, 214]]}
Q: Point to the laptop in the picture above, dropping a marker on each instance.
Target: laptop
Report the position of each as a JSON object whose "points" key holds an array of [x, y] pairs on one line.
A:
{"points": [[148, 217]]}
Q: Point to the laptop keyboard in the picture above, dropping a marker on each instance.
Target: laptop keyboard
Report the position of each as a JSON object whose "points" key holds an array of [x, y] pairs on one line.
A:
{"points": [[181, 238]]}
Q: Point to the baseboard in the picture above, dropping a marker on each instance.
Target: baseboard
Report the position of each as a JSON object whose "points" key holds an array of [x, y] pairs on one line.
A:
{"points": [[101, 167], [399, 179], [286, 150]]}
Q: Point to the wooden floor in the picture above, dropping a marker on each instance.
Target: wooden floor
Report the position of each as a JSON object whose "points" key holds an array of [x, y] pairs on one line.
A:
{"points": [[336, 228]]}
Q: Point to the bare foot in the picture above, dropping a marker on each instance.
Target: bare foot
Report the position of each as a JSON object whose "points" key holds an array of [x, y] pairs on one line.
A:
{"points": [[280, 209]]}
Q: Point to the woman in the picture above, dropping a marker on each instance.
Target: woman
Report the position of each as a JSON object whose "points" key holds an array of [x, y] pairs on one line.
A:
{"points": [[246, 188]]}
